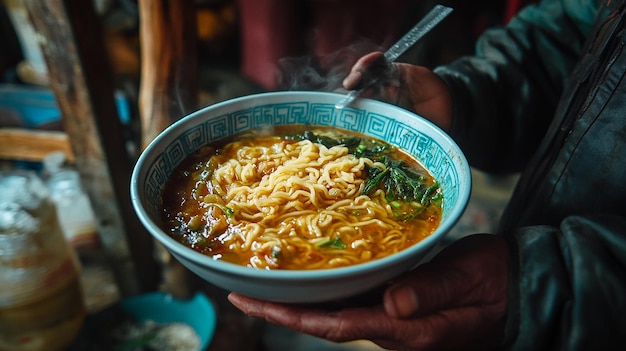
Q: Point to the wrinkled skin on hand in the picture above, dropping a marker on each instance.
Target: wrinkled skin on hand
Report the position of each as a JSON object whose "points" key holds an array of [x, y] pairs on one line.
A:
{"points": [[458, 300], [415, 88]]}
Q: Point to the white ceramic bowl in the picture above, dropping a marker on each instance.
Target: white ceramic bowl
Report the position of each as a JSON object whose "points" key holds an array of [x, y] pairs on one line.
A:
{"points": [[429, 144]]}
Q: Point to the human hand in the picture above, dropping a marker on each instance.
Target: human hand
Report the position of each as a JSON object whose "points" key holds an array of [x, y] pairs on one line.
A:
{"points": [[415, 88], [458, 300]]}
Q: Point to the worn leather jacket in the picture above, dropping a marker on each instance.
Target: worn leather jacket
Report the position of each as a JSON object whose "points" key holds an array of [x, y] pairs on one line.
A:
{"points": [[546, 96]]}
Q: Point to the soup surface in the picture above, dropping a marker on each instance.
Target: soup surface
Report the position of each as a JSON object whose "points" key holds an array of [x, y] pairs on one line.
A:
{"points": [[295, 198]]}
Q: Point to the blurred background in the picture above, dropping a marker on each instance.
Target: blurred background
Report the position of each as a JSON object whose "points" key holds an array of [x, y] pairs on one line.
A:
{"points": [[85, 85]]}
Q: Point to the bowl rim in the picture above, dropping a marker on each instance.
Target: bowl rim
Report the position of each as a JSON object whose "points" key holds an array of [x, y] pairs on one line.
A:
{"points": [[301, 275]]}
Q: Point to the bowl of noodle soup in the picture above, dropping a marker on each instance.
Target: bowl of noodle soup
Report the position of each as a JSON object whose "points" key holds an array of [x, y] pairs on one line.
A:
{"points": [[283, 197]]}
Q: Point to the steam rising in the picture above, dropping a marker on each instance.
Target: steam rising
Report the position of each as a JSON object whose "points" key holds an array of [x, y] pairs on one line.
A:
{"points": [[324, 74]]}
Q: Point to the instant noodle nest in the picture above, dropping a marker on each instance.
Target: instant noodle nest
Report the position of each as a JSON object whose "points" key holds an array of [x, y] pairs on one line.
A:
{"points": [[417, 136]]}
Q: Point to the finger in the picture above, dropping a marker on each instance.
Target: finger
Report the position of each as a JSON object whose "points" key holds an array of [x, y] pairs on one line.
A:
{"points": [[354, 78], [339, 326], [297, 318], [468, 328]]}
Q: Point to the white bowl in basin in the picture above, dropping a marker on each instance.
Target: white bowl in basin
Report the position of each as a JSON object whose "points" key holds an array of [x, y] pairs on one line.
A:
{"points": [[435, 149]]}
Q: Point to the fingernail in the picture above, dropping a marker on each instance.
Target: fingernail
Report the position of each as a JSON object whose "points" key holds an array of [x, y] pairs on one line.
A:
{"points": [[401, 302]]}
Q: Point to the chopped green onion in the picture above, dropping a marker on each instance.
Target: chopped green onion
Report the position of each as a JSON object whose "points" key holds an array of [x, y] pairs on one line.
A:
{"points": [[229, 212], [335, 244]]}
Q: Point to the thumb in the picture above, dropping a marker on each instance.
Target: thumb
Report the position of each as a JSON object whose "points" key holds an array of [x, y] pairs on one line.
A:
{"points": [[430, 288], [473, 270]]}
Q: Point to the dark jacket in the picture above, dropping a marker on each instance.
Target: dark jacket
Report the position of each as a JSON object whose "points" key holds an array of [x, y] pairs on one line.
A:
{"points": [[546, 96]]}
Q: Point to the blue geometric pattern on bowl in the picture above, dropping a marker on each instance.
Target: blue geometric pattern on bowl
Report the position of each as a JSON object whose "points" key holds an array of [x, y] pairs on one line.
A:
{"points": [[427, 150]]}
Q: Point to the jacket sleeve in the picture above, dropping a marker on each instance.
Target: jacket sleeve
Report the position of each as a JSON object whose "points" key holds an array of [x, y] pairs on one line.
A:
{"points": [[575, 298], [505, 95]]}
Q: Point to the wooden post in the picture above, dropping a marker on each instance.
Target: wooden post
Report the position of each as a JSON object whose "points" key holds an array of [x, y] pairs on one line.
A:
{"points": [[82, 81], [168, 91], [169, 68]]}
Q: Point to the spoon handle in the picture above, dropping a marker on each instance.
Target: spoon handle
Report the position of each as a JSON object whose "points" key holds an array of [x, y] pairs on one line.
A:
{"points": [[428, 22]]}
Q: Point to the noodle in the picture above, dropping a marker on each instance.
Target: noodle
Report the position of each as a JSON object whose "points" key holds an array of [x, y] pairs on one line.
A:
{"points": [[269, 204]]}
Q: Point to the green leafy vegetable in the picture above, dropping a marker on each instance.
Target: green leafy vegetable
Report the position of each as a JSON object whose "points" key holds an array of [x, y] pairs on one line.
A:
{"points": [[276, 252], [406, 190], [376, 177], [334, 243]]}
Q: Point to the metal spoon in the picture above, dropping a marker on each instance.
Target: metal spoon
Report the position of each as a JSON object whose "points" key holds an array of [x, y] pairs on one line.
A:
{"points": [[428, 22]]}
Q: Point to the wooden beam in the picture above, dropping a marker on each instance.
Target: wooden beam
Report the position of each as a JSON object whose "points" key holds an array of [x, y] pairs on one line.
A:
{"points": [[82, 81], [33, 145]]}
